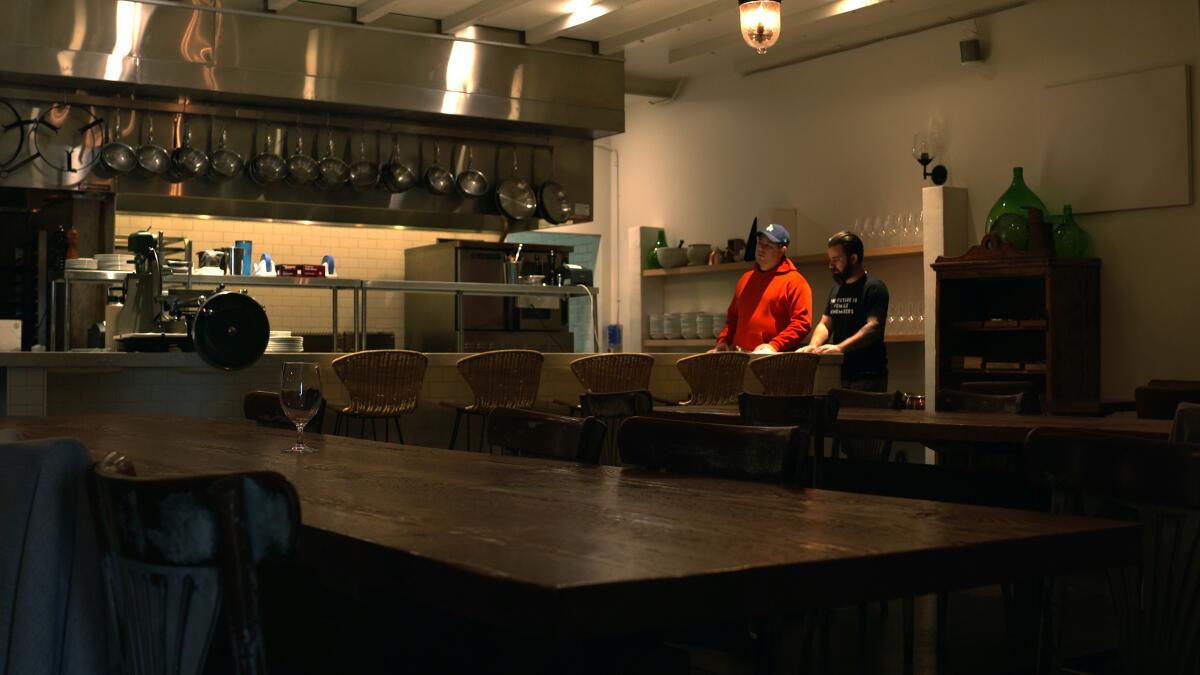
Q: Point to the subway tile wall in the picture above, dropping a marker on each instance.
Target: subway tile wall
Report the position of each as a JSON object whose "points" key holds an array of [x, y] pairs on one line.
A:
{"points": [[359, 253]]}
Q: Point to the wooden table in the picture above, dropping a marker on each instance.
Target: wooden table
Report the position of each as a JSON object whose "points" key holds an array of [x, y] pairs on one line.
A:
{"points": [[565, 551]]}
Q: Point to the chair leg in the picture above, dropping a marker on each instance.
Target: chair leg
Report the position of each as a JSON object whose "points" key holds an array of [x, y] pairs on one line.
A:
{"points": [[337, 423], [454, 431], [399, 432], [909, 633], [385, 430], [469, 448], [863, 647], [943, 610], [374, 430]]}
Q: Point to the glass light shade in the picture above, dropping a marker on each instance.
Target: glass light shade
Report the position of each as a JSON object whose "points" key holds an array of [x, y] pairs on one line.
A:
{"points": [[760, 23]]}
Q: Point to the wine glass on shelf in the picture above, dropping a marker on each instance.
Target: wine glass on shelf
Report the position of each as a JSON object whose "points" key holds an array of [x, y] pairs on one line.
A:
{"points": [[300, 396], [918, 228], [905, 235]]}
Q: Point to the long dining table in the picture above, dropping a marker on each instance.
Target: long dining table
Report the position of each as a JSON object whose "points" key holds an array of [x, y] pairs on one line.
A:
{"points": [[563, 551]]}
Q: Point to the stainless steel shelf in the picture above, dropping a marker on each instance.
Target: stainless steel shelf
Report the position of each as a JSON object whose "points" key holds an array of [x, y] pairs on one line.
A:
{"points": [[94, 276], [277, 282]]}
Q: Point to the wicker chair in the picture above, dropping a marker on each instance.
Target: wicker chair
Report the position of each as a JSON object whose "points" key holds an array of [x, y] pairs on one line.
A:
{"points": [[383, 384], [610, 373], [505, 378], [715, 378], [788, 374], [859, 448]]}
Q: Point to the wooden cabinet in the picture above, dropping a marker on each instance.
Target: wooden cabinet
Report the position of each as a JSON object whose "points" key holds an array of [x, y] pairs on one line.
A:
{"points": [[1010, 315]]}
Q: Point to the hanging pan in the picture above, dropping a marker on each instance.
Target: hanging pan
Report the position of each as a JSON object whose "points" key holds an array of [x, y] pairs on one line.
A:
{"points": [[224, 163], [438, 179], [471, 182], [116, 156], [514, 197], [553, 202], [153, 159], [398, 176]]}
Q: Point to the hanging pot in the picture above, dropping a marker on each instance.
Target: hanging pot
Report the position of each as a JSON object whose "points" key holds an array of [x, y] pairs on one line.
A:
{"points": [[230, 331], [364, 174], [438, 179], [225, 163], [553, 202], [301, 167], [333, 170], [514, 197], [153, 159], [472, 183], [187, 162], [398, 176], [116, 156], [267, 167]]}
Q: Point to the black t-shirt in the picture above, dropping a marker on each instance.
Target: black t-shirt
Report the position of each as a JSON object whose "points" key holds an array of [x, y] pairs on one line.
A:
{"points": [[848, 307]]}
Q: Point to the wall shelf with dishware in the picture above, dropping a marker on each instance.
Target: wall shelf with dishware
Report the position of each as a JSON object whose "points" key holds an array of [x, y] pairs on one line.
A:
{"points": [[808, 259]]}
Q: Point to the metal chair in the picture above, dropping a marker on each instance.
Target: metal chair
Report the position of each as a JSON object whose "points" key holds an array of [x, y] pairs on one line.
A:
{"points": [[787, 374], [612, 409], [526, 433], [714, 379], [181, 554], [383, 384], [610, 373], [1157, 484], [264, 408], [505, 378]]}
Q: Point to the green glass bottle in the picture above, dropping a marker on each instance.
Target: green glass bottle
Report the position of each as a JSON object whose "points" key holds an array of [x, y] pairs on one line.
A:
{"points": [[652, 256], [1070, 241], [1008, 219]]}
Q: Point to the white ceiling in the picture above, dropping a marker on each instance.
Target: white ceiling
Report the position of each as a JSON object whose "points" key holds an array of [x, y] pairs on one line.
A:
{"points": [[670, 39]]}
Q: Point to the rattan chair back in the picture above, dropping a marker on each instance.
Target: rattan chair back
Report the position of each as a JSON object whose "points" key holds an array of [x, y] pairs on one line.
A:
{"points": [[383, 382], [788, 374], [715, 378], [611, 373], [505, 378]]}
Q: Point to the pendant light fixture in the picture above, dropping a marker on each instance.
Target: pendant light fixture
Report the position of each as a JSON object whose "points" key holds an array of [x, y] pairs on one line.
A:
{"points": [[760, 23]]}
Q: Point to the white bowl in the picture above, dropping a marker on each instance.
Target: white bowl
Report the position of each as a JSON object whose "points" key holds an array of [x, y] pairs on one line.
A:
{"points": [[697, 254], [672, 257]]}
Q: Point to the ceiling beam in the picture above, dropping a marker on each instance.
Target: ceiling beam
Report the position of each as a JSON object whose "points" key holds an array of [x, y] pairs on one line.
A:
{"points": [[279, 5], [477, 12], [559, 26], [618, 42], [795, 18], [374, 10]]}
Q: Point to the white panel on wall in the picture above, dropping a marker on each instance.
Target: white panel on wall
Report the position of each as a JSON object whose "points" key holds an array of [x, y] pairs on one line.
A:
{"points": [[1117, 143]]}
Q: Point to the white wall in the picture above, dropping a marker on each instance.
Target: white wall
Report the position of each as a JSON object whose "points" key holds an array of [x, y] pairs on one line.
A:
{"points": [[832, 137]]}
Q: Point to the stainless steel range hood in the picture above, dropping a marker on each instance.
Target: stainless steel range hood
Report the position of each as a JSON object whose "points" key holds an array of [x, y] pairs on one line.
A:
{"points": [[216, 52]]}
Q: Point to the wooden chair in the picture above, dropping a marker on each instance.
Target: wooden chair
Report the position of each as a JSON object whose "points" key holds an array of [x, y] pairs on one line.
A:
{"points": [[611, 373], [505, 378], [181, 554], [535, 434], [859, 448], [1031, 403], [768, 454], [612, 409], [1159, 401], [787, 374], [714, 379], [815, 414], [383, 384], [1157, 484], [264, 408]]}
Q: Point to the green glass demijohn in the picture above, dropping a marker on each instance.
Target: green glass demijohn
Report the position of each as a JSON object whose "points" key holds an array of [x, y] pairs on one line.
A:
{"points": [[1008, 219], [652, 257], [1070, 241]]}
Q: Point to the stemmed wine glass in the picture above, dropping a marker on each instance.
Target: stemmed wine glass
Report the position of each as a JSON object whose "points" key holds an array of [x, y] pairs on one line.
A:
{"points": [[300, 396]]}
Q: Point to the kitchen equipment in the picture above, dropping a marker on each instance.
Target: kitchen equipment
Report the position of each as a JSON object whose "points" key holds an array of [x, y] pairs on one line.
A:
{"points": [[242, 257], [398, 176], [213, 258], [671, 256], [364, 174], [697, 254], [225, 163], [438, 179], [153, 159], [302, 169], [267, 167], [514, 197], [230, 330], [116, 156], [553, 202], [187, 162], [333, 172], [472, 182]]}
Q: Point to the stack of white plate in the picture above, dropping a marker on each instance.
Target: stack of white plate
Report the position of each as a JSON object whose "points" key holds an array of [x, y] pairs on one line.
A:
{"points": [[282, 341], [671, 329], [80, 263], [656, 326], [718, 323], [118, 262], [687, 325], [703, 321]]}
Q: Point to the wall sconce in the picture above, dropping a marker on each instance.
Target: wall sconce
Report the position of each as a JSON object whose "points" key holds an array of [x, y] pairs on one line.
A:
{"points": [[925, 148], [760, 23]]}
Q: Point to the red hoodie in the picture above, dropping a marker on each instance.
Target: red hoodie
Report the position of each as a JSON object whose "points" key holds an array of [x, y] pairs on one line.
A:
{"points": [[772, 307]]}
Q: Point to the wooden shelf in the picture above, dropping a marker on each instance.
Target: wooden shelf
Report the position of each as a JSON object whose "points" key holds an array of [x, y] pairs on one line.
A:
{"points": [[702, 342], [984, 371], [983, 327], [816, 258]]}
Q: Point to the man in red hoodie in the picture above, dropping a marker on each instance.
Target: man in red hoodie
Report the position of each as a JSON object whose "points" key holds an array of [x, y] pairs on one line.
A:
{"points": [[771, 309]]}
